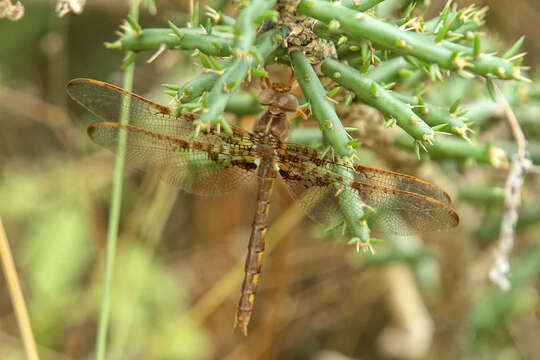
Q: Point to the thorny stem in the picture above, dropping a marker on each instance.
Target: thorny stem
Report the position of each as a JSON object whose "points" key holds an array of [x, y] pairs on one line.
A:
{"points": [[454, 148], [335, 134], [360, 5], [371, 93], [245, 34], [358, 26], [322, 108], [152, 39], [435, 116], [219, 95]]}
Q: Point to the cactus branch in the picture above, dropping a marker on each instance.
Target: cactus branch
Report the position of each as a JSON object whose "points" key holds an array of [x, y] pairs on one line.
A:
{"points": [[182, 38], [323, 109], [233, 75], [373, 94], [458, 149], [436, 116], [359, 25], [336, 135]]}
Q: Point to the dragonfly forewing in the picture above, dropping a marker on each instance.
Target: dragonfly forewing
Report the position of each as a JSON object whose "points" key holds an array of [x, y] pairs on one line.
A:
{"points": [[157, 141]]}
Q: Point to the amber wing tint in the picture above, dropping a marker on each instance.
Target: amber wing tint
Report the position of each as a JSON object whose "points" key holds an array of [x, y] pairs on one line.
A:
{"points": [[403, 204], [215, 163], [157, 141]]}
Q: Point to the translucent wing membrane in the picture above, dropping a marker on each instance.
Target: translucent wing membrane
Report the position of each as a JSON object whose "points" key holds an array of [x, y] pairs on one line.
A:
{"points": [[377, 177], [158, 141], [402, 204], [215, 163]]}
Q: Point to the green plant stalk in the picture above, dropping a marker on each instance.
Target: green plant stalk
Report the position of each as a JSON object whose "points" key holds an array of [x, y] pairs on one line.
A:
{"points": [[306, 135], [362, 6], [459, 25], [390, 71], [533, 148], [373, 94], [450, 56], [244, 29], [434, 116], [243, 104], [334, 133], [482, 195], [495, 309], [321, 107], [528, 215], [152, 39], [225, 85], [198, 85], [114, 212], [447, 147]]}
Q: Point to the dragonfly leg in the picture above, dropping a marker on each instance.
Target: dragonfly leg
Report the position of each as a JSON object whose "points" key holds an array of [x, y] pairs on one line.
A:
{"points": [[303, 112]]}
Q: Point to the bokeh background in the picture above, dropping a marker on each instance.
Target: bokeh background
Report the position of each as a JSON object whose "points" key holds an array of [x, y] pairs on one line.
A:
{"points": [[180, 257]]}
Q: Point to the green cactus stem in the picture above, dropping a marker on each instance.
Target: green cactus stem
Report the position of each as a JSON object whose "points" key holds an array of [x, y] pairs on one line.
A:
{"points": [[375, 95], [436, 116], [243, 104], [482, 195], [336, 135], [233, 75], [321, 107], [152, 39], [195, 87], [244, 29], [528, 215], [391, 70], [360, 5], [447, 147], [306, 135], [359, 25]]}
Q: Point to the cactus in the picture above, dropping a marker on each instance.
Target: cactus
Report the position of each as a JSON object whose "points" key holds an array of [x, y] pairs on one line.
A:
{"points": [[377, 61]]}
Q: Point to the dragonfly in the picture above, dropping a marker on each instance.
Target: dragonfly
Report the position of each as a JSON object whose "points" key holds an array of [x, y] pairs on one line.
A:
{"points": [[215, 163]]}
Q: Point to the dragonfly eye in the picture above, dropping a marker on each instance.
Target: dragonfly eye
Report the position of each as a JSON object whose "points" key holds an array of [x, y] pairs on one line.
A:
{"points": [[281, 100], [288, 102]]}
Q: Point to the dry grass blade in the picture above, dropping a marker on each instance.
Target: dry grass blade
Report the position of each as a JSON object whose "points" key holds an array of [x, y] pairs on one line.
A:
{"points": [[17, 298]]}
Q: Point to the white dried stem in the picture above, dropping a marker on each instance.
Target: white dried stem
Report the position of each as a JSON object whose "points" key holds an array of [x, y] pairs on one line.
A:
{"points": [[512, 199]]}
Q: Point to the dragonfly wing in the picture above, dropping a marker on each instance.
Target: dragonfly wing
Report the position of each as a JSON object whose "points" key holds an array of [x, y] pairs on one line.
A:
{"points": [[198, 169], [401, 212], [211, 164], [109, 101], [323, 188], [394, 180], [378, 177]]}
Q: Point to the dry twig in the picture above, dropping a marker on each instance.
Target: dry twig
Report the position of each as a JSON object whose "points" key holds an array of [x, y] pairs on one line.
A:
{"points": [[512, 199]]}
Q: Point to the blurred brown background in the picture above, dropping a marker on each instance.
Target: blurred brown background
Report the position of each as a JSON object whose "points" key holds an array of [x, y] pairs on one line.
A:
{"points": [[180, 257]]}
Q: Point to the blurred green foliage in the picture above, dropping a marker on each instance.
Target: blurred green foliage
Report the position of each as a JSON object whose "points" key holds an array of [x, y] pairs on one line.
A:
{"points": [[316, 296]]}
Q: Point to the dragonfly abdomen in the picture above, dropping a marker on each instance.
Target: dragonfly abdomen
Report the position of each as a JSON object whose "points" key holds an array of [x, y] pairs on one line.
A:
{"points": [[267, 175]]}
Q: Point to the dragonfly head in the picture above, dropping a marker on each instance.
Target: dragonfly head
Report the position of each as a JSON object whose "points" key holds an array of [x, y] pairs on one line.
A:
{"points": [[283, 101]]}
